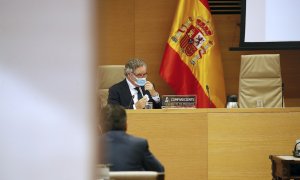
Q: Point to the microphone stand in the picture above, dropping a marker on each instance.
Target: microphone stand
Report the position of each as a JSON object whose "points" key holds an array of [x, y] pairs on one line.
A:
{"points": [[282, 94], [207, 89], [131, 100]]}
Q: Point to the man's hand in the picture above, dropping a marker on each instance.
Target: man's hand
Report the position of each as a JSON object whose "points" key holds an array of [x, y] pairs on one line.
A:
{"points": [[141, 103], [149, 86]]}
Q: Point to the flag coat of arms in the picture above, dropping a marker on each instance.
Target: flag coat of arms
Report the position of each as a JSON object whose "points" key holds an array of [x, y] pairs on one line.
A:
{"points": [[192, 63]]}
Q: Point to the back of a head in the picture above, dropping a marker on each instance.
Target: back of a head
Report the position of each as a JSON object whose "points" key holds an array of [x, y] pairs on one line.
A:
{"points": [[113, 117]]}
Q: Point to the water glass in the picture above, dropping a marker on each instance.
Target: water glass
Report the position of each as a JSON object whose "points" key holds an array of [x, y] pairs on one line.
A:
{"points": [[149, 105], [259, 103]]}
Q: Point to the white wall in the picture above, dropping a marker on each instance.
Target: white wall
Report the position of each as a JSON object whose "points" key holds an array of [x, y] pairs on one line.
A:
{"points": [[272, 21]]}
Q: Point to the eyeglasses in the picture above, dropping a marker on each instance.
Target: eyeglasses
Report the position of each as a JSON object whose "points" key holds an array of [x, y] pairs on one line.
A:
{"points": [[141, 75]]}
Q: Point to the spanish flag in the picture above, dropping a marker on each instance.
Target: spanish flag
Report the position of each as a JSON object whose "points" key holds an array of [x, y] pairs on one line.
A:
{"points": [[192, 63]]}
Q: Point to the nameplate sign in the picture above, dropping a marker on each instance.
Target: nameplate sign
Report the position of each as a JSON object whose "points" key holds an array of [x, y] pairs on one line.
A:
{"points": [[179, 101]]}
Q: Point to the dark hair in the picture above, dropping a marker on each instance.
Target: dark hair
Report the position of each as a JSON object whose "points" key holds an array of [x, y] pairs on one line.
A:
{"points": [[113, 117]]}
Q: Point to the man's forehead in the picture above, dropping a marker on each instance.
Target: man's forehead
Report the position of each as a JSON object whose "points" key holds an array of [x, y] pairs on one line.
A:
{"points": [[141, 69]]}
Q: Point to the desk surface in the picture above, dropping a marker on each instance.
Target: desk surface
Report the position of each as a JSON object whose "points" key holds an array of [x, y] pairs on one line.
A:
{"points": [[288, 158]]}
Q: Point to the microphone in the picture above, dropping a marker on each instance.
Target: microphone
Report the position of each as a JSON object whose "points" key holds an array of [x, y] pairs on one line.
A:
{"points": [[207, 90], [282, 95], [131, 100]]}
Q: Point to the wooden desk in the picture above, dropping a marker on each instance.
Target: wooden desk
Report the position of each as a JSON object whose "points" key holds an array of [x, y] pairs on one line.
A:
{"points": [[217, 144], [285, 167]]}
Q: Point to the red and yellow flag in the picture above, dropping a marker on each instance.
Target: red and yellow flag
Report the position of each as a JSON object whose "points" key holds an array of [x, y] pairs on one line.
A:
{"points": [[192, 60]]}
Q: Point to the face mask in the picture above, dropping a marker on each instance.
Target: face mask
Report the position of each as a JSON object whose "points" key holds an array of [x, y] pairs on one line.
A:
{"points": [[141, 81]]}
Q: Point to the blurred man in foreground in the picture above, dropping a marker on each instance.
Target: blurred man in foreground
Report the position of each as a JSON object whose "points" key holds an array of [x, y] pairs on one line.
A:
{"points": [[123, 151]]}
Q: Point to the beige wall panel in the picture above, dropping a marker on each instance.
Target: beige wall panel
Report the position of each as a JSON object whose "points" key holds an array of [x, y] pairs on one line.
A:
{"points": [[293, 102], [116, 39], [228, 35], [290, 69], [140, 28], [239, 144], [153, 24], [179, 140]]}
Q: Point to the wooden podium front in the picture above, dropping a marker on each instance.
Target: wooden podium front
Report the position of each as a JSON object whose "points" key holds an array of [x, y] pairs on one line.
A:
{"points": [[217, 144]]}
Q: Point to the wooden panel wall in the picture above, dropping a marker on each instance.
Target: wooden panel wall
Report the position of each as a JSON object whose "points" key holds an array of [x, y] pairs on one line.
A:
{"points": [[116, 31], [140, 28], [240, 144]]}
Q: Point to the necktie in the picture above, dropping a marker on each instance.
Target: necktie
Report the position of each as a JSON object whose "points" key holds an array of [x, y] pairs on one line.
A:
{"points": [[140, 96]]}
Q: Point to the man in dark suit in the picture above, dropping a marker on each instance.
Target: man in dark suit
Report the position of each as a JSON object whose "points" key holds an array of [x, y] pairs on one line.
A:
{"points": [[123, 151], [134, 91]]}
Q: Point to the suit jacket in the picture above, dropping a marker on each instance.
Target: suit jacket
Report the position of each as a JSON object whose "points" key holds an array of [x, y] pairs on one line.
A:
{"points": [[120, 94], [127, 153]]}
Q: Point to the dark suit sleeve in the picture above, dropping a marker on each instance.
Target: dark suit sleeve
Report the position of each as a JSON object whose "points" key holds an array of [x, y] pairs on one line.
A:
{"points": [[155, 104], [113, 96], [149, 161]]}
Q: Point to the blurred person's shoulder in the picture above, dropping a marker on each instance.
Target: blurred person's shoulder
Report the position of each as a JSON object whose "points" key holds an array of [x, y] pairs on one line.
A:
{"points": [[136, 139]]}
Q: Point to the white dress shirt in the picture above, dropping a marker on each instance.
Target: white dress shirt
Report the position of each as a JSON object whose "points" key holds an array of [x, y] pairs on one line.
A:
{"points": [[134, 92]]}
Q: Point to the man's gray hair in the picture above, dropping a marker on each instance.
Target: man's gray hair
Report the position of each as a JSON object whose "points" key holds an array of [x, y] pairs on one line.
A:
{"points": [[133, 64]]}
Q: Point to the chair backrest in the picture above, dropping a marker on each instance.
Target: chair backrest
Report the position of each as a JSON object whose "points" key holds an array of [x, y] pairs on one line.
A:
{"points": [[260, 81], [136, 175], [108, 75]]}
